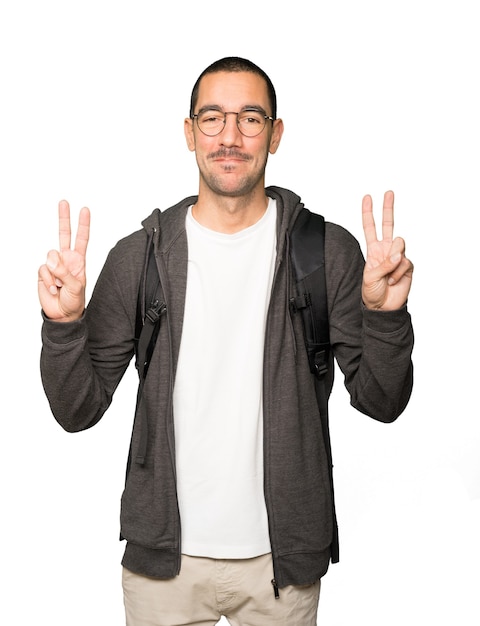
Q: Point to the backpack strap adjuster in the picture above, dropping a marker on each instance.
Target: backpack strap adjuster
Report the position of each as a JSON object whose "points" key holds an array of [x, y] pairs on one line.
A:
{"points": [[300, 302]]}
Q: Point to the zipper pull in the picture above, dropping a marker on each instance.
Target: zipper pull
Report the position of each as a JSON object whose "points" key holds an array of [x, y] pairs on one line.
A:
{"points": [[275, 589]]}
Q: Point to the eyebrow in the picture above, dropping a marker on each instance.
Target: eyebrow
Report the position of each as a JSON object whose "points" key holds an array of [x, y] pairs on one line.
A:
{"points": [[217, 107]]}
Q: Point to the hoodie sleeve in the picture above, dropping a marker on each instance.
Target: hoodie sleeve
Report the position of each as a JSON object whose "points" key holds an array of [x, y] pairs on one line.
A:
{"points": [[372, 348]]}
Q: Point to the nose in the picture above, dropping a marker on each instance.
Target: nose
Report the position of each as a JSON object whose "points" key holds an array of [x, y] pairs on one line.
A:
{"points": [[230, 134]]}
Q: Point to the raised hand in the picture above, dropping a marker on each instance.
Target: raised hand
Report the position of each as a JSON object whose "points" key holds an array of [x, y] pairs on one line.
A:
{"points": [[387, 276], [62, 279]]}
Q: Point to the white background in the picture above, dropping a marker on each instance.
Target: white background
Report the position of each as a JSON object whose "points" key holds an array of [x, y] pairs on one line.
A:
{"points": [[375, 95]]}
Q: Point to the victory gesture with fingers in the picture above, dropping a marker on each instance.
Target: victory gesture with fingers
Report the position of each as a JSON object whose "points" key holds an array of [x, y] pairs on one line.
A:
{"points": [[387, 276], [62, 279]]}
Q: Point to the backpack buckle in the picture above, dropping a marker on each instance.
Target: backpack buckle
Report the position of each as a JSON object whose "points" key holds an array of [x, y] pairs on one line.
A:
{"points": [[300, 302], [320, 363], [156, 310]]}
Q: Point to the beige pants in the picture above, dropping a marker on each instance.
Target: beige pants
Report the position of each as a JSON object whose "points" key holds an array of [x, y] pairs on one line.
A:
{"points": [[207, 589]]}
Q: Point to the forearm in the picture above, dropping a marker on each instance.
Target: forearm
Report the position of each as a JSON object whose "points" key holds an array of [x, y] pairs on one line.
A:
{"points": [[82, 363], [380, 380], [76, 396]]}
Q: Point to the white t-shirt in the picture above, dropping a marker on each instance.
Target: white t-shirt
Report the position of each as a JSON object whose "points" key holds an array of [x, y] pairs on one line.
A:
{"points": [[218, 404]]}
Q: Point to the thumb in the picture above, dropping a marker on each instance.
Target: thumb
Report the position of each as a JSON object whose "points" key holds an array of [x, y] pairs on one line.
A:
{"points": [[56, 267], [397, 251], [386, 267], [53, 259], [393, 261]]}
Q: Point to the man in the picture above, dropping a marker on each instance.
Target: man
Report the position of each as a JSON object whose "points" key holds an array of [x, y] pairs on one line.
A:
{"points": [[227, 508]]}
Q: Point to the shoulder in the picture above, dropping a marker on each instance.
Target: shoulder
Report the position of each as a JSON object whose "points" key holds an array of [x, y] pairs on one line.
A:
{"points": [[339, 241], [129, 250], [344, 261]]}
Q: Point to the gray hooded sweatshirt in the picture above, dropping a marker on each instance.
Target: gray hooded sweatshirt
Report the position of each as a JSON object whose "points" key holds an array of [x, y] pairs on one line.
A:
{"points": [[82, 362]]}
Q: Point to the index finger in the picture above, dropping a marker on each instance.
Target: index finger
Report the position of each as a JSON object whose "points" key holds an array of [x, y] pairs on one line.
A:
{"points": [[367, 220], [64, 230]]}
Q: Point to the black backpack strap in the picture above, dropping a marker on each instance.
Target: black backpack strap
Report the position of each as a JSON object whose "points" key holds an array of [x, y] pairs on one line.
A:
{"points": [[147, 325], [149, 311], [307, 253]]}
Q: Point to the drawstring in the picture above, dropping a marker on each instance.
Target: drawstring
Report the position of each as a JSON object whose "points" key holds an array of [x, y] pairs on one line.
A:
{"points": [[289, 298]]}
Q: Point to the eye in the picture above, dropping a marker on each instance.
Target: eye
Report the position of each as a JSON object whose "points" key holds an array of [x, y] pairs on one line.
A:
{"points": [[251, 118], [211, 117]]}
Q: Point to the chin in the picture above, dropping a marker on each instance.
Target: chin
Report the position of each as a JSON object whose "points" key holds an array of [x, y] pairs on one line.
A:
{"points": [[233, 188]]}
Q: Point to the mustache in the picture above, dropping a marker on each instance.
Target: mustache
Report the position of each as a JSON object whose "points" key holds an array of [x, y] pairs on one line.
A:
{"points": [[224, 153]]}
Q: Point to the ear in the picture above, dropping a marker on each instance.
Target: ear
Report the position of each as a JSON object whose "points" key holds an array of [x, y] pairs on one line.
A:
{"points": [[277, 133], [189, 135]]}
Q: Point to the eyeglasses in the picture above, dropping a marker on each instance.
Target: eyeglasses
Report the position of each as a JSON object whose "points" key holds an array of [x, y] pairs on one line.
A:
{"points": [[250, 122]]}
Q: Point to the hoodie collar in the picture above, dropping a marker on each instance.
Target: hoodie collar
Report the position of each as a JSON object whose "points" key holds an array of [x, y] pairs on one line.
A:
{"points": [[168, 225]]}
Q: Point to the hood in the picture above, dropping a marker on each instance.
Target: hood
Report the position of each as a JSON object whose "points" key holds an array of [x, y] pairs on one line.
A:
{"points": [[172, 219]]}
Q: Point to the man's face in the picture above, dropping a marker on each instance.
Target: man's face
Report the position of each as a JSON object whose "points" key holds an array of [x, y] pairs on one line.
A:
{"points": [[231, 164]]}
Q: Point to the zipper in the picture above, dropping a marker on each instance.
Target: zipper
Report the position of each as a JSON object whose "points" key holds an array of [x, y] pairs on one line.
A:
{"points": [[275, 589], [266, 400], [170, 436]]}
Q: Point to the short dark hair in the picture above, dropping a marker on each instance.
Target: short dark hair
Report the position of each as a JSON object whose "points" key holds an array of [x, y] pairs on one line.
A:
{"points": [[235, 64]]}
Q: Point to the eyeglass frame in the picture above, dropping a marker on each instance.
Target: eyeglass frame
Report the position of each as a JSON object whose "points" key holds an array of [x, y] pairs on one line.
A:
{"points": [[237, 113]]}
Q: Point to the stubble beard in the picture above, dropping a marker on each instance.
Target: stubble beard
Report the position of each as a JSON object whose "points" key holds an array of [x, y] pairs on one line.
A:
{"points": [[220, 183]]}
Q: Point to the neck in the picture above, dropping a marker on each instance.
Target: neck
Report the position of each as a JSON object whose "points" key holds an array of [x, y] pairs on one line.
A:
{"points": [[227, 214]]}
